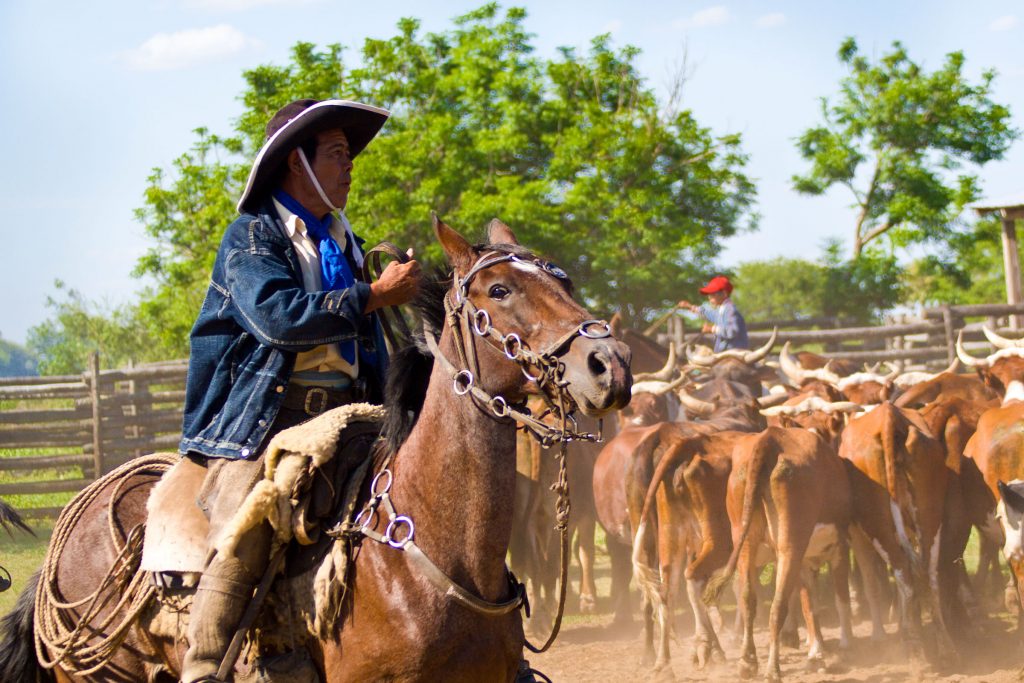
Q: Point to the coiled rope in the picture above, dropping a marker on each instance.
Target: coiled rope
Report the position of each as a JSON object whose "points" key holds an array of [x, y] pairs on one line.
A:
{"points": [[64, 631]]}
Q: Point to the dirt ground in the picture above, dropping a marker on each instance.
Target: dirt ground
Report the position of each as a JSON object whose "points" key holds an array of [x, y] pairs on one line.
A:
{"points": [[593, 649]]}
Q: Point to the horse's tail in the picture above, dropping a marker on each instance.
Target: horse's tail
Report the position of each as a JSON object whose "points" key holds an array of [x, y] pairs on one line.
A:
{"points": [[9, 520], [17, 641]]}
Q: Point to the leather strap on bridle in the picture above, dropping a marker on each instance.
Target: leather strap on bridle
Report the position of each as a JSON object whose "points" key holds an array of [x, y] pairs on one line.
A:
{"points": [[372, 268]]}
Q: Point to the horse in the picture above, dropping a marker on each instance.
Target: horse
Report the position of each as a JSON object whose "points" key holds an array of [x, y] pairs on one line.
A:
{"points": [[510, 327]]}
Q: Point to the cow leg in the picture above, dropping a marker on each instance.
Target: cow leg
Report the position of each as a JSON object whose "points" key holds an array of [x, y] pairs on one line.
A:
{"points": [[789, 554], [622, 573], [747, 571], [790, 635], [946, 650], [871, 579], [816, 647], [839, 567], [588, 590], [706, 647]]}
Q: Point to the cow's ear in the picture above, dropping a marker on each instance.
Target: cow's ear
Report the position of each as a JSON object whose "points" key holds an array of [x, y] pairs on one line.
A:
{"points": [[1011, 498]]}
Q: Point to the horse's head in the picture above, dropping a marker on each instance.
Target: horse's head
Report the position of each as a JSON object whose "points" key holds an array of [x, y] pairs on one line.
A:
{"points": [[516, 314]]}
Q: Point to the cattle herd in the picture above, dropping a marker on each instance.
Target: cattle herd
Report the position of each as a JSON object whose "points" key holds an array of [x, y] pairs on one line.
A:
{"points": [[725, 463]]}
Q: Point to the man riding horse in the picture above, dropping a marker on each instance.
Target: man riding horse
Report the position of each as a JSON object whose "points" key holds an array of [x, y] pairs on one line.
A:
{"points": [[286, 332]]}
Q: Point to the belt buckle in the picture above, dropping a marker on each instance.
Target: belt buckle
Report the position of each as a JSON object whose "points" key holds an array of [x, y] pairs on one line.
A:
{"points": [[310, 394]]}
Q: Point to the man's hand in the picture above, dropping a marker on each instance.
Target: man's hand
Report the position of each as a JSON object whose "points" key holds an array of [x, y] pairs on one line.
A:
{"points": [[398, 284], [687, 305], [708, 327]]}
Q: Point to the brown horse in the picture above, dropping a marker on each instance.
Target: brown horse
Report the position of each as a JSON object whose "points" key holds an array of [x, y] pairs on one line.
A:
{"points": [[452, 467]]}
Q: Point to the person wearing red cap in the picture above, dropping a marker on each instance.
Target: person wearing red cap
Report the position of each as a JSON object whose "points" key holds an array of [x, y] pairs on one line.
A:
{"points": [[720, 315]]}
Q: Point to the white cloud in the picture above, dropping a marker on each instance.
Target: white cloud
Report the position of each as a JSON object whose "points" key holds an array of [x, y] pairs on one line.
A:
{"points": [[771, 20], [613, 26], [169, 51], [709, 16], [238, 5], [1004, 23]]}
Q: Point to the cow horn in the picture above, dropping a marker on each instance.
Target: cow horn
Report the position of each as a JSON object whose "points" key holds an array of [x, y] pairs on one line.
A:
{"points": [[965, 358], [1001, 342], [872, 369], [703, 361], [759, 354], [695, 405], [791, 366], [657, 388], [953, 367], [772, 399], [663, 375]]}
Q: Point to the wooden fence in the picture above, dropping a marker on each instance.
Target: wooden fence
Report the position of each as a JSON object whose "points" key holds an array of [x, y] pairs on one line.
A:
{"points": [[62, 432], [926, 340]]}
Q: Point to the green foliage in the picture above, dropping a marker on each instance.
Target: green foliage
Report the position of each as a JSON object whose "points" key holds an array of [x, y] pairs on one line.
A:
{"points": [[16, 361], [896, 135], [78, 328], [787, 288], [576, 154], [967, 269]]}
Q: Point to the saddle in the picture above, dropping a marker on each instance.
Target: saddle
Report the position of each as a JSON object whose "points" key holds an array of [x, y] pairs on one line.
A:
{"points": [[311, 478]]}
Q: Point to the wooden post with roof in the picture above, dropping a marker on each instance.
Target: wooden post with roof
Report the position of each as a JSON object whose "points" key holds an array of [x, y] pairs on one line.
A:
{"points": [[1010, 209]]}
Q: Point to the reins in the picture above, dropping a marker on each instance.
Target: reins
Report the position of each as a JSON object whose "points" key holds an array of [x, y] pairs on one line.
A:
{"points": [[544, 368]]}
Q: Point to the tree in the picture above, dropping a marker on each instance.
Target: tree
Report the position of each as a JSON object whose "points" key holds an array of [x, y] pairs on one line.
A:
{"points": [[632, 198], [967, 269], [786, 288], [895, 135], [63, 343], [16, 361]]}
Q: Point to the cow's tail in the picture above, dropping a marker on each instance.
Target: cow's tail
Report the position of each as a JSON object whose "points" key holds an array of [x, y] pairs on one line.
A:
{"points": [[763, 447], [17, 641], [647, 576], [896, 433]]}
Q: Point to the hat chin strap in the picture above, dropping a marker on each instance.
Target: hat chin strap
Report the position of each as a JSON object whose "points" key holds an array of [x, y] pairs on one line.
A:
{"points": [[316, 183]]}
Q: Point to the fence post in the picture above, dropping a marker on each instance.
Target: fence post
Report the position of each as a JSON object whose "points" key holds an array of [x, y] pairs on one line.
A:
{"points": [[947, 322], [97, 414]]}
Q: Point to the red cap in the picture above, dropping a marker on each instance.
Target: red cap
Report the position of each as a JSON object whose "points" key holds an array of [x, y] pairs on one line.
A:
{"points": [[717, 284]]}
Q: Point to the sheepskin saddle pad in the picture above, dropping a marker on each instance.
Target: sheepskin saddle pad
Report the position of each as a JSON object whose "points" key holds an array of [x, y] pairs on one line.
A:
{"points": [[306, 469]]}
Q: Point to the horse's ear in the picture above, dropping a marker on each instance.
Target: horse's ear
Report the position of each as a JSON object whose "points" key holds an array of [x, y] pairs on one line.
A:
{"points": [[615, 324], [458, 250], [499, 233]]}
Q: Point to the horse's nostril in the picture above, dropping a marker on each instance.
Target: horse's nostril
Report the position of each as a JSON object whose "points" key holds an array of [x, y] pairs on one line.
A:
{"points": [[596, 363]]}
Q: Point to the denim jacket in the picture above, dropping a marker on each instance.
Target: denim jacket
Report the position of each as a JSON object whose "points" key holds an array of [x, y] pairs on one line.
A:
{"points": [[730, 329], [256, 317]]}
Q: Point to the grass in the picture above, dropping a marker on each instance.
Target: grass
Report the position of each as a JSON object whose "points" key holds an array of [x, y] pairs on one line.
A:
{"points": [[22, 555]]}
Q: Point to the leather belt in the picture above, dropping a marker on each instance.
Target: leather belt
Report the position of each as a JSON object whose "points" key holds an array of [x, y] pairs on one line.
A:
{"points": [[316, 400]]}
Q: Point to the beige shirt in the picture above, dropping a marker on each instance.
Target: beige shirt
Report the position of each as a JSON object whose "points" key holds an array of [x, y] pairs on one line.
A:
{"points": [[326, 358]]}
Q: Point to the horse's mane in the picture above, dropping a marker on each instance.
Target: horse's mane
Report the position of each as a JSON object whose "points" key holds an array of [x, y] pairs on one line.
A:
{"points": [[409, 368]]}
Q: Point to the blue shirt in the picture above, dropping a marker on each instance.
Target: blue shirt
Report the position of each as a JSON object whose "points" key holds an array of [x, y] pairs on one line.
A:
{"points": [[256, 318], [730, 329]]}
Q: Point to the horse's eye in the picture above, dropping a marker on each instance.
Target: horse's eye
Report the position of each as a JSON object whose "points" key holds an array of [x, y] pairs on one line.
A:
{"points": [[498, 292]]}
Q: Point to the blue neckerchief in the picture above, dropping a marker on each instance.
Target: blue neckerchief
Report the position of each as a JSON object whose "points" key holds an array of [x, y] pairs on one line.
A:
{"points": [[334, 269]]}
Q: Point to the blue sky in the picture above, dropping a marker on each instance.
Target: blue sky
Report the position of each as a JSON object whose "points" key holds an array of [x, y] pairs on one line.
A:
{"points": [[96, 94]]}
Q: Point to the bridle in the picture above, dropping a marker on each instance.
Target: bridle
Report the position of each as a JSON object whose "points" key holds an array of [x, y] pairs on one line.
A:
{"points": [[546, 369]]}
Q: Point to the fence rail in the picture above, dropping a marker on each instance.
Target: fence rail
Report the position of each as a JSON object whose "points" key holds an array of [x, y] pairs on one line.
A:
{"points": [[60, 433]]}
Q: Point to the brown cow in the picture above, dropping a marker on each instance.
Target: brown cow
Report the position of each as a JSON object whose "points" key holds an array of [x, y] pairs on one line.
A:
{"points": [[996, 447], [898, 479], [685, 497], [788, 489]]}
